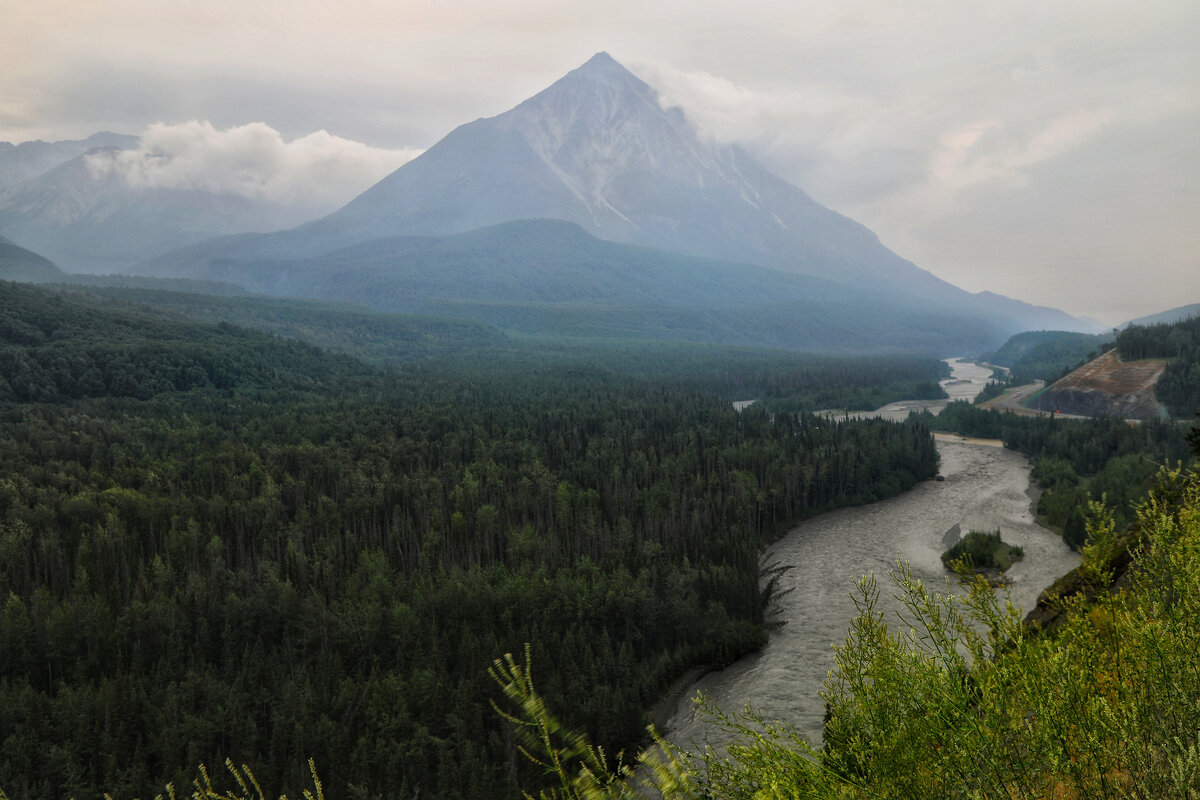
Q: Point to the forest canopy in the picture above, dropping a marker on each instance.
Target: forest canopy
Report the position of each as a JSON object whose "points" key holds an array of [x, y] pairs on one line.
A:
{"points": [[218, 543]]}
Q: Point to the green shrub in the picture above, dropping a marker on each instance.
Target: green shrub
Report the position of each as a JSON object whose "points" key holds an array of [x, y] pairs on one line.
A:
{"points": [[981, 550]]}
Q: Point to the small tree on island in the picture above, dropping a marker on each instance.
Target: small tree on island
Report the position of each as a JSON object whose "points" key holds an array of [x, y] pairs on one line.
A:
{"points": [[982, 550]]}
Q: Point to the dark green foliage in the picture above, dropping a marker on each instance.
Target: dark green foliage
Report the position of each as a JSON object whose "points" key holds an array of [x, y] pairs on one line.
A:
{"points": [[53, 348], [980, 550], [321, 562], [1047, 355], [994, 389]]}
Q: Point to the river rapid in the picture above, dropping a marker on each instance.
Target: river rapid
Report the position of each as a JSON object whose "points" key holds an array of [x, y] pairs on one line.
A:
{"points": [[985, 487]]}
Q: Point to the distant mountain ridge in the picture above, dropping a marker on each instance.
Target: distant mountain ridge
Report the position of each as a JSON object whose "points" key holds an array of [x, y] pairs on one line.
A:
{"points": [[550, 277], [597, 149], [20, 162], [93, 220], [1168, 316]]}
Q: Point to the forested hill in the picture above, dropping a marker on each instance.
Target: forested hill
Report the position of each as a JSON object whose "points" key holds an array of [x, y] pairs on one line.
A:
{"points": [[378, 338], [1047, 355], [53, 347], [227, 545]]}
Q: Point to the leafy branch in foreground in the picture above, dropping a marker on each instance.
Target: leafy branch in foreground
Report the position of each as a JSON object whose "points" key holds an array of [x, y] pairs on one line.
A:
{"points": [[244, 778], [248, 787], [579, 769]]}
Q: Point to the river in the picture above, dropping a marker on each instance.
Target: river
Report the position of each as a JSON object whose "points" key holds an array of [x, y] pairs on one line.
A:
{"points": [[985, 487]]}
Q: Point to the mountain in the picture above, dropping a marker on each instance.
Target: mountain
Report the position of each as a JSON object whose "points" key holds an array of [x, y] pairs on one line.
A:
{"points": [[20, 162], [1168, 316], [94, 220], [25, 266], [597, 149]]}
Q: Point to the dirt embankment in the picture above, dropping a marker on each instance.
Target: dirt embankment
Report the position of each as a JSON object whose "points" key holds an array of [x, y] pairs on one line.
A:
{"points": [[1106, 386]]}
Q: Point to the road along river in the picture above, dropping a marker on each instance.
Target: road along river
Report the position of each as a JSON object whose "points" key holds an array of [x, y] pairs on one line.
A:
{"points": [[985, 487]]}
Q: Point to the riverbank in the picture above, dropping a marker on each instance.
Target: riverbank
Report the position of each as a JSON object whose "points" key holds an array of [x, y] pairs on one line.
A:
{"points": [[985, 487], [966, 381]]}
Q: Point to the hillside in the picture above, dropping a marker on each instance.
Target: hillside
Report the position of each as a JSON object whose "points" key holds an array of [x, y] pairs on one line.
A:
{"points": [[378, 338], [1107, 386], [54, 348], [26, 266], [1046, 355], [1179, 387]]}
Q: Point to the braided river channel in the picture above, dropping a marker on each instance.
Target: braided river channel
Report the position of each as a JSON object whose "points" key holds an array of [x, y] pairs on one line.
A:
{"points": [[986, 487]]}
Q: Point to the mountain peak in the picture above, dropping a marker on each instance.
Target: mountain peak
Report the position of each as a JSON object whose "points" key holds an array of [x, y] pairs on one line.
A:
{"points": [[600, 83], [600, 64]]}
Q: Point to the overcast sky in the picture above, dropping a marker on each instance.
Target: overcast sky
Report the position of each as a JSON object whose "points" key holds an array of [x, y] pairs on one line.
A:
{"points": [[1048, 150]]}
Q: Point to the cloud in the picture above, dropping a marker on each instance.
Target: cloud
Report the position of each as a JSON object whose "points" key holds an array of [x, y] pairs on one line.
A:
{"points": [[978, 153], [318, 171], [727, 112]]}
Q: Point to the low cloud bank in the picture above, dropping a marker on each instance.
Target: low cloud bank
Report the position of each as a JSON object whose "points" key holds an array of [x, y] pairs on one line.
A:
{"points": [[318, 171]]}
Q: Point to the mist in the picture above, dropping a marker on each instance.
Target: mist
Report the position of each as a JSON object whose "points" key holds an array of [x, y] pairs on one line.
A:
{"points": [[319, 172]]}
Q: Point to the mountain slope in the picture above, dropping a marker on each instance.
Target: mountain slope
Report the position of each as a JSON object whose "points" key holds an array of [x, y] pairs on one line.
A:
{"points": [[55, 347], [25, 266]]}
